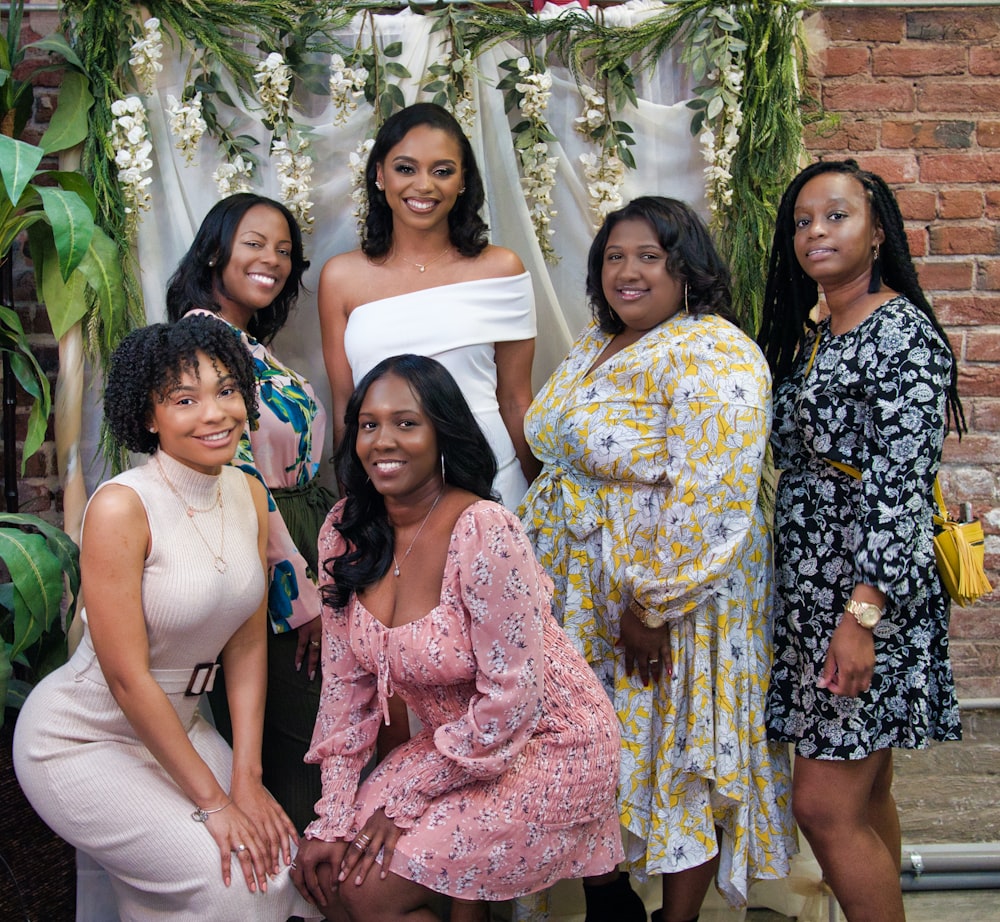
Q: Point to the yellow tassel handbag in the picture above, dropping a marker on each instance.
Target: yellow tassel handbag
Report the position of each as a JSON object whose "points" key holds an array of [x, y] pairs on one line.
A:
{"points": [[960, 549]]}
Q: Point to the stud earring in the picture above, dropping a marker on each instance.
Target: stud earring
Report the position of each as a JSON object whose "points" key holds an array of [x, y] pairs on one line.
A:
{"points": [[460, 191], [212, 261], [378, 185], [152, 429]]}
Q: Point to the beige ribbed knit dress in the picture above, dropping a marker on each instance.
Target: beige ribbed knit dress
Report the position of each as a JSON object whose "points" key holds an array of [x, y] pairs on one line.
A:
{"points": [[79, 760]]}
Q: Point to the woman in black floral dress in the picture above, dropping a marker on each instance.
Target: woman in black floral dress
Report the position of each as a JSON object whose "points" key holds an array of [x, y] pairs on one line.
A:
{"points": [[861, 405]]}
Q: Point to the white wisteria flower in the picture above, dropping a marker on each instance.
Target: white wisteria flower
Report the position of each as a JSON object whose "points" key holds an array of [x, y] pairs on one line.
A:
{"points": [[146, 54], [357, 162], [594, 114], [186, 125], [347, 86], [274, 79], [463, 76], [538, 169], [233, 177], [294, 168], [130, 142], [605, 174]]}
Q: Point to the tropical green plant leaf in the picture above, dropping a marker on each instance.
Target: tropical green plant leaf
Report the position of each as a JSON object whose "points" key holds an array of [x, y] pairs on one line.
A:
{"points": [[18, 162], [72, 181], [70, 123], [59, 544], [58, 45], [38, 587], [65, 301], [72, 226], [38, 424], [101, 266]]}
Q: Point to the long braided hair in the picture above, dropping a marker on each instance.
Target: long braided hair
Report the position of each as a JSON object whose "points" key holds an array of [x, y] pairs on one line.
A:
{"points": [[790, 294]]}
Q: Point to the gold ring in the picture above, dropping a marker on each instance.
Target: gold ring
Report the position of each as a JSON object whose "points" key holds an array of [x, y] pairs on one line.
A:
{"points": [[314, 643]]}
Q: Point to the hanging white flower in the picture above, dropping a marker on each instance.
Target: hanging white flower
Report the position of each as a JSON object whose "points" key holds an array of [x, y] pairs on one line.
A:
{"points": [[274, 80], [347, 86], [605, 175], [233, 177], [294, 168], [594, 111], [130, 143], [146, 54], [186, 125], [357, 163]]}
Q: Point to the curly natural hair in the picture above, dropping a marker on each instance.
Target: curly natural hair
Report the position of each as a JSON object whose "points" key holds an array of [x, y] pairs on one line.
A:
{"points": [[197, 280], [466, 227], [149, 362], [691, 258], [791, 295]]}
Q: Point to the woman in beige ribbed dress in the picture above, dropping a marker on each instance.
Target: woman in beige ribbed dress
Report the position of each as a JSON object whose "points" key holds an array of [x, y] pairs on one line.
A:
{"points": [[110, 749]]}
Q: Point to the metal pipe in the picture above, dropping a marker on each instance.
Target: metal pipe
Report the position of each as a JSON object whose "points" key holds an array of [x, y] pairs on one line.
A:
{"points": [[951, 858], [979, 704], [985, 881]]}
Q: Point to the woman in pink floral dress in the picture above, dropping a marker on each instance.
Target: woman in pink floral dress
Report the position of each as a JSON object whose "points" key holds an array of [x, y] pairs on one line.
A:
{"points": [[432, 592]]}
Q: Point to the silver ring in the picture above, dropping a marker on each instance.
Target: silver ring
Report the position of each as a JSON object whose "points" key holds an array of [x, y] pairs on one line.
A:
{"points": [[652, 661], [293, 866], [315, 643], [241, 848]]}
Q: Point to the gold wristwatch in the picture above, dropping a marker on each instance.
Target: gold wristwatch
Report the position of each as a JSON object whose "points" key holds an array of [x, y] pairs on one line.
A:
{"points": [[865, 613]]}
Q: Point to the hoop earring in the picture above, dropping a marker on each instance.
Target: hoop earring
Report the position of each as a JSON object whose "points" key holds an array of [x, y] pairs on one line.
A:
{"points": [[687, 309], [875, 282]]}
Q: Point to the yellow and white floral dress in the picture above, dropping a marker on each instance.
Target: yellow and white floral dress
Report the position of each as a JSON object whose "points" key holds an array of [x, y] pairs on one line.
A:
{"points": [[652, 466]]}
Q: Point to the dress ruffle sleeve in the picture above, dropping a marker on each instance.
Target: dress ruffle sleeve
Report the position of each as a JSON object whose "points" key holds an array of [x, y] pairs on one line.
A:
{"points": [[717, 422], [348, 720], [505, 596]]}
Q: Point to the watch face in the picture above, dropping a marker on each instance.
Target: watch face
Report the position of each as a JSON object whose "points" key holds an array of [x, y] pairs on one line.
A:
{"points": [[870, 616]]}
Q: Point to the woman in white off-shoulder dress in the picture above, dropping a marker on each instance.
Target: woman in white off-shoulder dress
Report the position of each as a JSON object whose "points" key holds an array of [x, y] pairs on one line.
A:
{"points": [[426, 281]]}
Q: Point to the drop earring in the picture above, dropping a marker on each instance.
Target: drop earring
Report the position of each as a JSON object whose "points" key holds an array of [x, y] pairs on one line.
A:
{"points": [[687, 309], [444, 478], [875, 282]]}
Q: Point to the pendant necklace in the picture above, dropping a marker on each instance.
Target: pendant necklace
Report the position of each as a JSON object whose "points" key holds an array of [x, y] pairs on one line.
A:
{"points": [[218, 561], [406, 553], [423, 266]]}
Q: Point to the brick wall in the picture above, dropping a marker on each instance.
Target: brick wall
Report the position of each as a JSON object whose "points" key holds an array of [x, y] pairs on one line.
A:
{"points": [[917, 92], [918, 95]]}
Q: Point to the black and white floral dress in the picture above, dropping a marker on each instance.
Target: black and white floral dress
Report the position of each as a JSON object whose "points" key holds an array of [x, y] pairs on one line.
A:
{"points": [[874, 398]]}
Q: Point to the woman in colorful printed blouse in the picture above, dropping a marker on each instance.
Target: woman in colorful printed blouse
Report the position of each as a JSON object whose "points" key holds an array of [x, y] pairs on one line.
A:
{"points": [[861, 619], [652, 435], [245, 266]]}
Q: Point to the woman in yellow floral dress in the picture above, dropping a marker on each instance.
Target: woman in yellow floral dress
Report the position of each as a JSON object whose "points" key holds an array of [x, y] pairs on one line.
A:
{"points": [[652, 435]]}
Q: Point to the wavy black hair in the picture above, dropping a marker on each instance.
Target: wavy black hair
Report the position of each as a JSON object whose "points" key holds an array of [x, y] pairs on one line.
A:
{"points": [[466, 228], [148, 364], [691, 257], [468, 463], [198, 276], [791, 295]]}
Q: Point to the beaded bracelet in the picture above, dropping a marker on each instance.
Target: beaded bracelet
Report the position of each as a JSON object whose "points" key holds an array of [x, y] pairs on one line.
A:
{"points": [[201, 815]]}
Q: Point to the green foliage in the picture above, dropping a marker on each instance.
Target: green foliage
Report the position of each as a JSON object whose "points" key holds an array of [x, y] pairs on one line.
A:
{"points": [[44, 567], [73, 266]]}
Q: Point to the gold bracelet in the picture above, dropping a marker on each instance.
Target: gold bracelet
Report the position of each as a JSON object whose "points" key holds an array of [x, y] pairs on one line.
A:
{"points": [[648, 619]]}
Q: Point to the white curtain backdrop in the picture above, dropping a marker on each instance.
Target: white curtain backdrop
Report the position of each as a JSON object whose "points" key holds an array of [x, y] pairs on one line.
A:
{"points": [[667, 156]]}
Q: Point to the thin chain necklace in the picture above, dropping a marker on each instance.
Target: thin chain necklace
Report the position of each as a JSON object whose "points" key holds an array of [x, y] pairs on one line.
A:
{"points": [[218, 561], [406, 553], [423, 266]]}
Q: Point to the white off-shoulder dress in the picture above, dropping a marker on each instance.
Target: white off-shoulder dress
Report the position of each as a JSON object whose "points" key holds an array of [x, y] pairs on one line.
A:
{"points": [[458, 325]]}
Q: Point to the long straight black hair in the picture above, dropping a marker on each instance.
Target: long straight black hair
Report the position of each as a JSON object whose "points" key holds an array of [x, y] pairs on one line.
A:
{"points": [[468, 463]]}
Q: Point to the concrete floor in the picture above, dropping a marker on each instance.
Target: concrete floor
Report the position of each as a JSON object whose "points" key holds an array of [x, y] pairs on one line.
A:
{"points": [[940, 906]]}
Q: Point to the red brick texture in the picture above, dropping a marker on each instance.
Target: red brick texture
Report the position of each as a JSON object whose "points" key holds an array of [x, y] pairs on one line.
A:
{"points": [[916, 94]]}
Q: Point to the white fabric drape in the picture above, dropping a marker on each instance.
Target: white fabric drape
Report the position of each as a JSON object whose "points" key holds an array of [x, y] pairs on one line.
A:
{"points": [[667, 156]]}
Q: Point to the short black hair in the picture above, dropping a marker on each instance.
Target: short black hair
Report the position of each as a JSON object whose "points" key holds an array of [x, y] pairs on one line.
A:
{"points": [[466, 227], [198, 274], [790, 294], [468, 463], [149, 362], [691, 258]]}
